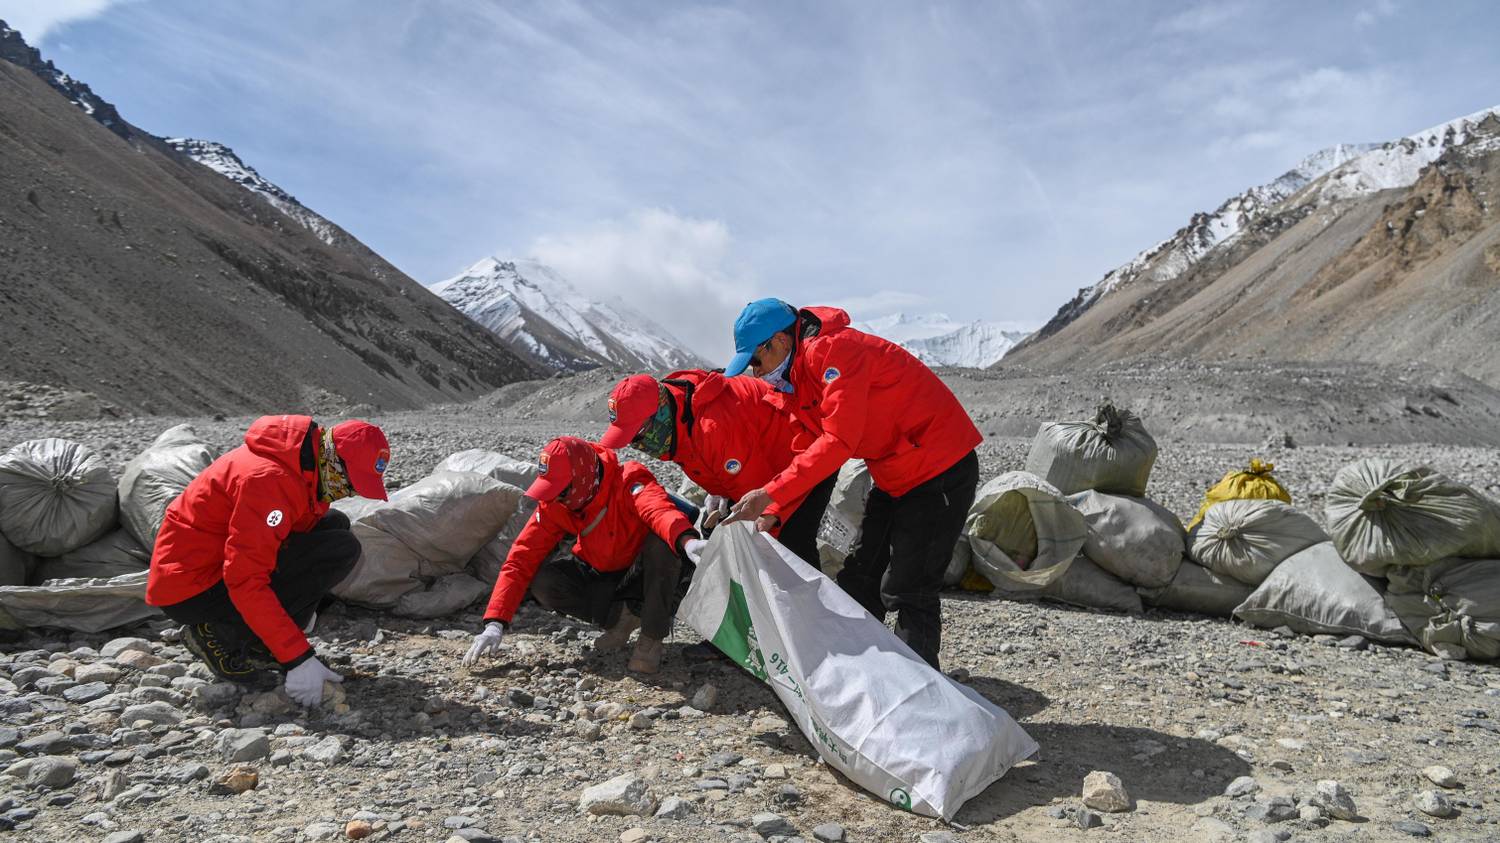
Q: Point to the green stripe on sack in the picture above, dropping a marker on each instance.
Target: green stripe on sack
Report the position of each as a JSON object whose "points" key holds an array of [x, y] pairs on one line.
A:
{"points": [[736, 635]]}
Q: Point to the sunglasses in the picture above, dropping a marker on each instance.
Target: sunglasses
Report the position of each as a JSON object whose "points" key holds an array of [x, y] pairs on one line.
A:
{"points": [[755, 355]]}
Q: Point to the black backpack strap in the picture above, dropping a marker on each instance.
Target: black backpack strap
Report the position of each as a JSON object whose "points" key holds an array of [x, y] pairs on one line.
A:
{"points": [[687, 387]]}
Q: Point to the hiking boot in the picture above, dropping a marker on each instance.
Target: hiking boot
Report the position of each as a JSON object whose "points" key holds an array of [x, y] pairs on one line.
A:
{"points": [[617, 636], [224, 660], [646, 657]]}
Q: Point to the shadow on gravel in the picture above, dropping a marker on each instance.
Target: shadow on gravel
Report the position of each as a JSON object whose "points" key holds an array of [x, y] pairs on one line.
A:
{"points": [[1153, 766], [1018, 701], [401, 707]]}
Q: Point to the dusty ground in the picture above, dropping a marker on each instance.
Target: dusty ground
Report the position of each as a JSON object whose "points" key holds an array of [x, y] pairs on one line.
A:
{"points": [[1177, 706]]}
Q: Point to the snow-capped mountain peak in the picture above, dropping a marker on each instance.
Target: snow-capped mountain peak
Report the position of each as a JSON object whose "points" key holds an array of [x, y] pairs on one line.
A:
{"points": [[222, 160], [531, 305], [1398, 163], [938, 340]]}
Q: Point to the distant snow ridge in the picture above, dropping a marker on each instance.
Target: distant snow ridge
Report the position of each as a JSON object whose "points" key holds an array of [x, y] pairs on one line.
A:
{"points": [[937, 340], [222, 160], [529, 304], [1400, 162]]}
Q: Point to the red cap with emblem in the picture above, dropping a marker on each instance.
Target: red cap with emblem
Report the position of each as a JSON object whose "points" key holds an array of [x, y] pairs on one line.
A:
{"points": [[633, 401], [565, 461], [365, 452]]}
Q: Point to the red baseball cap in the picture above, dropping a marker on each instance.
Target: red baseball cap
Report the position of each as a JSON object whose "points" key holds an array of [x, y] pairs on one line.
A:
{"points": [[563, 460], [633, 401], [366, 453]]}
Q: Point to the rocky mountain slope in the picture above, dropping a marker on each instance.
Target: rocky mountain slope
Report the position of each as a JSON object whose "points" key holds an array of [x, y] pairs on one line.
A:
{"points": [[940, 341], [533, 307], [145, 282], [1388, 254]]}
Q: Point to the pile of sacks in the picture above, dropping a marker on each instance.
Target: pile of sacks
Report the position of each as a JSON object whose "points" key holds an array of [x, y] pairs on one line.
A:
{"points": [[75, 542], [1411, 559]]}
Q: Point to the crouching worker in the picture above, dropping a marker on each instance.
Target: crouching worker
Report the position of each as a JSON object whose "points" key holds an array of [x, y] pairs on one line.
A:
{"points": [[249, 549], [630, 546]]}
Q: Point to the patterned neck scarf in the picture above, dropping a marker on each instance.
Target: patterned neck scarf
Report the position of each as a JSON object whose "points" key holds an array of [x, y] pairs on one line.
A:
{"points": [[658, 436], [333, 483]]}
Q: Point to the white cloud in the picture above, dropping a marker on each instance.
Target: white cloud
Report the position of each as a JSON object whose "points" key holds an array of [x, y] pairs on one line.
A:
{"points": [[36, 19], [1375, 13], [1202, 18], [679, 271]]}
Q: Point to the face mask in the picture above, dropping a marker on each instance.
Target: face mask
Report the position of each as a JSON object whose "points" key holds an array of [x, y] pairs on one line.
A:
{"points": [[777, 377], [658, 435], [333, 483]]}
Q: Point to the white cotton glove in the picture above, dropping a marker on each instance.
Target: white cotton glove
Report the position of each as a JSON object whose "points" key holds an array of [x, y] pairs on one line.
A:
{"points": [[304, 683], [693, 549], [714, 510], [486, 643]]}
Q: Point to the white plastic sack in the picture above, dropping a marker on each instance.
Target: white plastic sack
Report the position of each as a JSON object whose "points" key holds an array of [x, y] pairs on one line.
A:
{"points": [[427, 530], [81, 605], [1451, 606], [844, 515], [1315, 592], [518, 473], [1197, 589], [1247, 539], [15, 564], [1384, 514], [1112, 453], [116, 554], [447, 595], [156, 477], [55, 496], [1135, 539], [871, 706], [1021, 532], [1084, 584]]}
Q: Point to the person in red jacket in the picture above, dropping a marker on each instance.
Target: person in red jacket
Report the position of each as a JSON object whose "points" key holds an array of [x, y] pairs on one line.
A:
{"points": [[869, 398], [726, 437], [249, 549], [630, 542]]}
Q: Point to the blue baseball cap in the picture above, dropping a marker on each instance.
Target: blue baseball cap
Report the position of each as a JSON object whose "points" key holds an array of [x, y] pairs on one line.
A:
{"points": [[758, 322]]}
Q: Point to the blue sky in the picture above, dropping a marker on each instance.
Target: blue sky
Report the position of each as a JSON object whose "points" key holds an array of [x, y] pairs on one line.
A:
{"points": [[984, 159]]}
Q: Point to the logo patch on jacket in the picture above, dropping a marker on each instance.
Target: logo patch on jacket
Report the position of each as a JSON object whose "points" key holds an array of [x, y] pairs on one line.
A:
{"points": [[273, 518], [732, 466], [541, 463], [382, 460], [613, 415], [831, 374]]}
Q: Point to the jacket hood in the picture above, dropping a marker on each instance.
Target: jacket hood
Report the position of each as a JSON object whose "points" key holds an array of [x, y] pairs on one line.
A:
{"points": [[831, 318], [706, 385], [280, 438]]}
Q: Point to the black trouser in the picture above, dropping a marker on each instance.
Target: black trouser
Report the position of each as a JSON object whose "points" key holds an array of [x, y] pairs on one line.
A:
{"points": [[572, 587], [800, 532], [904, 547], [308, 566]]}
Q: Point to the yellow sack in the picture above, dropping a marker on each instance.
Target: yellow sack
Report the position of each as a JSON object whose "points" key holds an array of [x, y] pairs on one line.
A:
{"points": [[1255, 484]]}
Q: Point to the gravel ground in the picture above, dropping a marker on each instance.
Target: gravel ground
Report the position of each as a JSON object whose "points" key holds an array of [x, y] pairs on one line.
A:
{"points": [[129, 741]]}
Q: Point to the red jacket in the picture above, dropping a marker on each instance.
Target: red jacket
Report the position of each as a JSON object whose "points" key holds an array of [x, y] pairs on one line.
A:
{"points": [[730, 440], [610, 530], [862, 396], [229, 524]]}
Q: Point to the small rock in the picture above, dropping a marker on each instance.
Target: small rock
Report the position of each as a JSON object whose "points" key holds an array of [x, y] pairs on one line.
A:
{"points": [[137, 660], [1086, 819], [520, 698], [624, 795], [1103, 791], [634, 835], [120, 645], [244, 744], [329, 750], [358, 829], [86, 692], [937, 837], [235, 780], [1440, 776], [675, 808], [1353, 642], [1242, 786], [125, 837], [1434, 804], [775, 771], [640, 721], [609, 711], [589, 730], [829, 833], [159, 713], [768, 825], [1415, 829], [1334, 798], [705, 697], [1312, 815], [49, 771]]}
